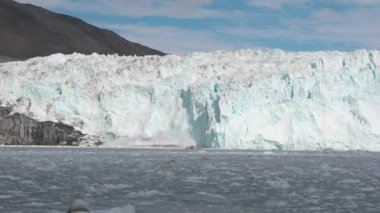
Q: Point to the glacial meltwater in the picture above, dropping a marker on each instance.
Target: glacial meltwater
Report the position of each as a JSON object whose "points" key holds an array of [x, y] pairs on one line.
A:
{"points": [[49, 179]]}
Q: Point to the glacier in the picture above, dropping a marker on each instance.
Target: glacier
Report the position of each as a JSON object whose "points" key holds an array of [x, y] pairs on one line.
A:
{"points": [[243, 99]]}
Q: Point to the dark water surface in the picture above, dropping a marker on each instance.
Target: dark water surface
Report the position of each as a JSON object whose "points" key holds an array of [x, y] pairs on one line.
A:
{"points": [[40, 179]]}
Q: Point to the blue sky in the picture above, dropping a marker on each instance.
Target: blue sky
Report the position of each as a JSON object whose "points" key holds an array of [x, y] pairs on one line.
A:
{"points": [[183, 26]]}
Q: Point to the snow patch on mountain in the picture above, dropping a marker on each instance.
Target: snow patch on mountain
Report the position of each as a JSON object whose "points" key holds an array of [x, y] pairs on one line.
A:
{"points": [[241, 99]]}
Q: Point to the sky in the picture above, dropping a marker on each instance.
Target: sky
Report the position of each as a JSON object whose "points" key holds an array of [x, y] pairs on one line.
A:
{"points": [[184, 26]]}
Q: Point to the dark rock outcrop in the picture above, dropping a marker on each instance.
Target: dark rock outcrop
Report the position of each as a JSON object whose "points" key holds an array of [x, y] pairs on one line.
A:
{"points": [[18, 129], [79, 206], [28, 31]]}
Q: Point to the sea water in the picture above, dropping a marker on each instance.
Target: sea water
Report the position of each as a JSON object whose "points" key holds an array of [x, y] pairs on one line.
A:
{"points": [[48, 179]]}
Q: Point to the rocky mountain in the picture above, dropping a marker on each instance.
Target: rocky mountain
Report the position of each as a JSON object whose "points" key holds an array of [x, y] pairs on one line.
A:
{"points": [[28, 31]]}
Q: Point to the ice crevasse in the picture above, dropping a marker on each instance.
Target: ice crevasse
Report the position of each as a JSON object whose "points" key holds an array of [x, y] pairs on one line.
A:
{"points": [[245, 99]]}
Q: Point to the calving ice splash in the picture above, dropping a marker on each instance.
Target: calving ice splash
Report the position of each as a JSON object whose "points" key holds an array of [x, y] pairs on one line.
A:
{"points": [[236, 100]]}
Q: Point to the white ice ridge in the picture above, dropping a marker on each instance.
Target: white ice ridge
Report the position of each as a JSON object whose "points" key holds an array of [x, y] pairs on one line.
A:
{"points": [[241, 99]]}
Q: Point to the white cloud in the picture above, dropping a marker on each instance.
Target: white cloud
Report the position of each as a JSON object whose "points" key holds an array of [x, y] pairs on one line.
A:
{"points": [[355, 2], [357, 27], [137, 8], [279, 4], [171, 39]]}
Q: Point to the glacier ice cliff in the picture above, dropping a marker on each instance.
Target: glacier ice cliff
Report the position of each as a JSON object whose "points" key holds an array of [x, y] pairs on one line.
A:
{"points": [[241, 99]]}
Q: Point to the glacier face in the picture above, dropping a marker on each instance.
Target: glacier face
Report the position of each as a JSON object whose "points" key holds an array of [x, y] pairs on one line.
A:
{"points": [[242, 99]]}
